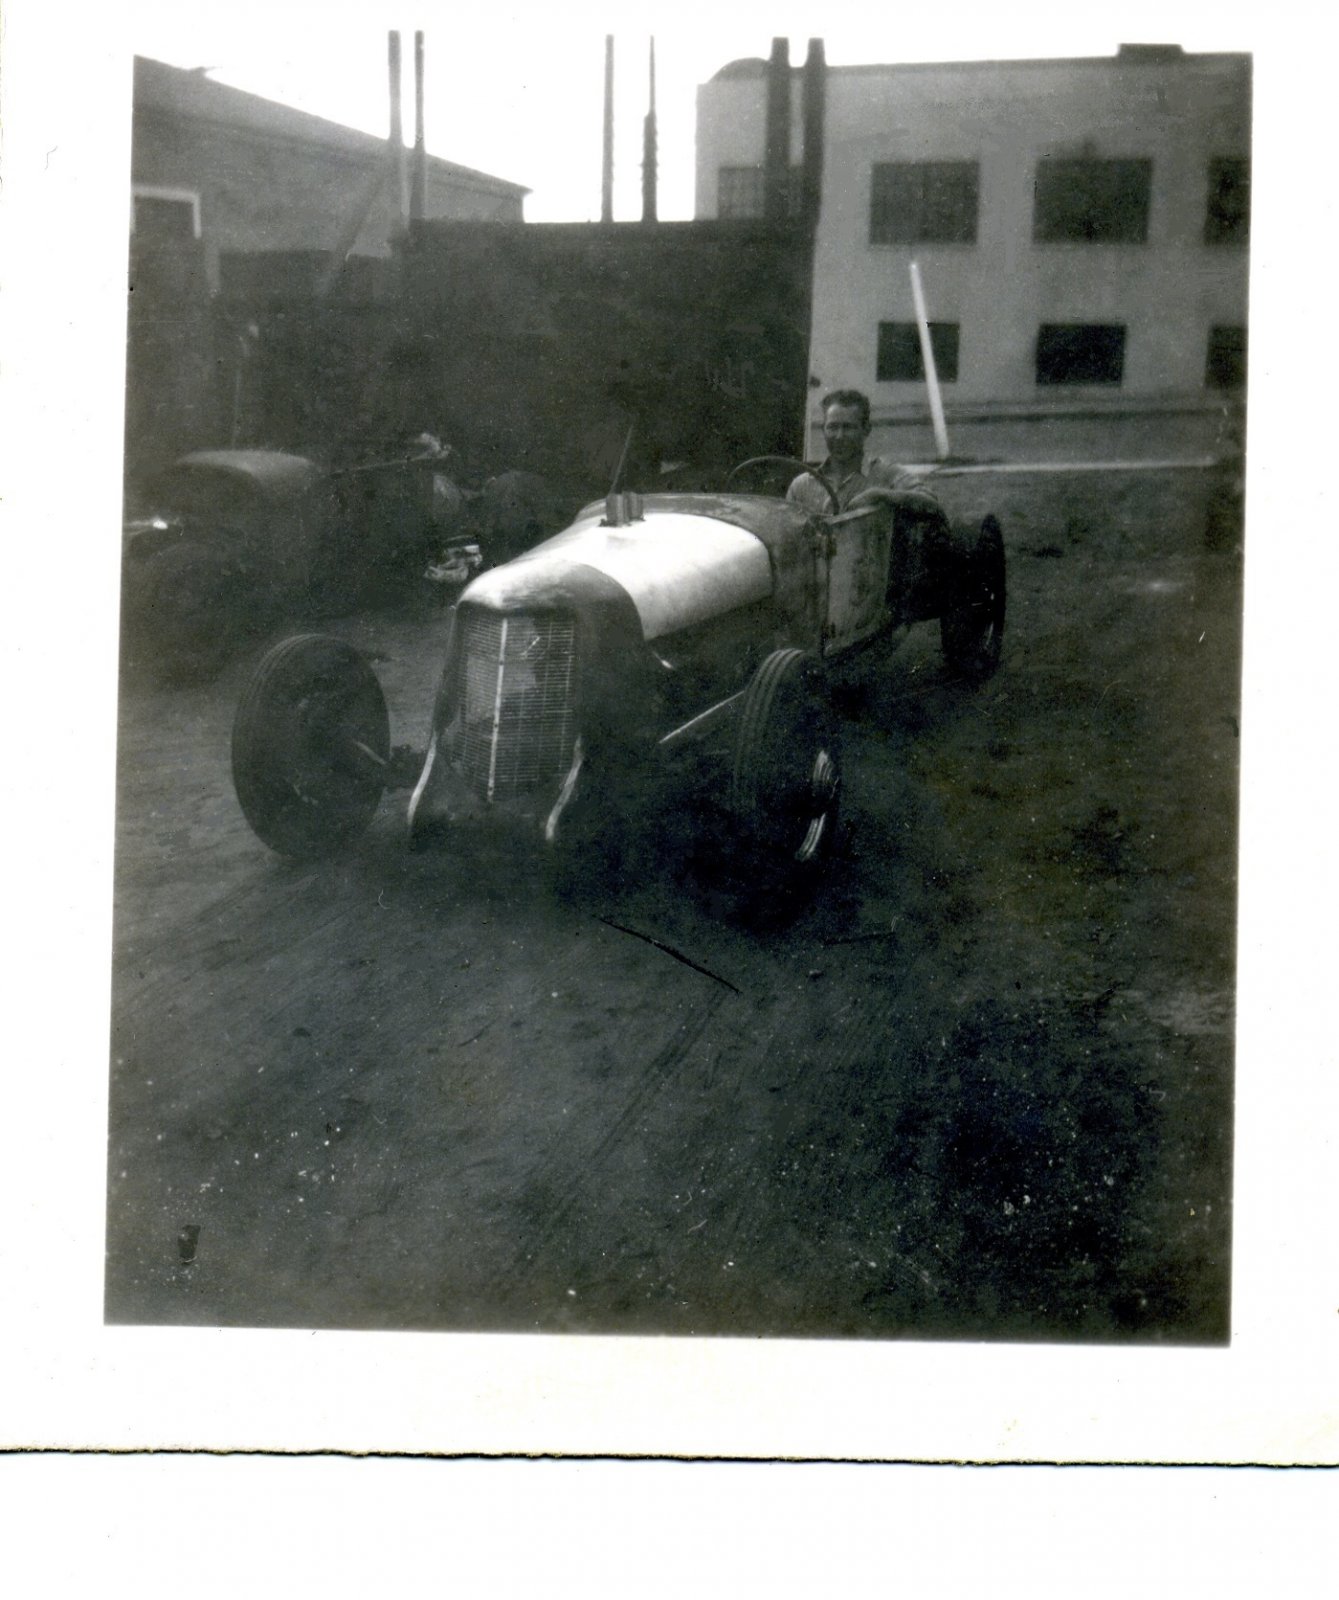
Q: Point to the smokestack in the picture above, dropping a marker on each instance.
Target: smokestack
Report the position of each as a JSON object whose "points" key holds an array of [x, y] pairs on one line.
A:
{"points": [[418, 194], [814, 100], [776, 157], [649, 166], [607, 171], [397, 129]]}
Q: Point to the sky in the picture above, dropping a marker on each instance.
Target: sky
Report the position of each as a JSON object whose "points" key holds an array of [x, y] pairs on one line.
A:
{"points": [[517, 90]]}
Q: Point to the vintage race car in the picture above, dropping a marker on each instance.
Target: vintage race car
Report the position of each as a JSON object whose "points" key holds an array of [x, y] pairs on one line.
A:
{"points": [[659, 643]]}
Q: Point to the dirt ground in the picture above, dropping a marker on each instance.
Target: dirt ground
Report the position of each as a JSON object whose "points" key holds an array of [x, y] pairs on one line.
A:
{"points": [[981, 1087]]}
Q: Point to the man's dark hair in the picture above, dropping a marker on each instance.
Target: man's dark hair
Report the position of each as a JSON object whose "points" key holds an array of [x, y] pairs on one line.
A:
{"points": [[848, 397]]}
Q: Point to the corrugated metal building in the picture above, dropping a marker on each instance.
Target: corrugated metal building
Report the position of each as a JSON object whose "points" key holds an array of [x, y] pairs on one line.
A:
{"points": [[233, 195], [241, 173]]}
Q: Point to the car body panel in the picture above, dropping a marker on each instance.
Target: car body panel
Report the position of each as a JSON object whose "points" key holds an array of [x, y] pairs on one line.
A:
{"points": [[856, 599], [270, 507], [273, 472], [677, 569]]}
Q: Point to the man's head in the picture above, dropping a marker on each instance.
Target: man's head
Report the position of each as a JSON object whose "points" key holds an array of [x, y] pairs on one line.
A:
{"points": [[846, 426]]}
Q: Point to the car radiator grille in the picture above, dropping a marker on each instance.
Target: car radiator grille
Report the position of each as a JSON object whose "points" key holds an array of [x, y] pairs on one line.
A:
{"points": [[517, 688]]}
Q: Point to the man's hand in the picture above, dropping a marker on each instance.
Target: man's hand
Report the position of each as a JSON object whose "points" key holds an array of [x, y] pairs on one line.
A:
{"points": [[898, 499]]}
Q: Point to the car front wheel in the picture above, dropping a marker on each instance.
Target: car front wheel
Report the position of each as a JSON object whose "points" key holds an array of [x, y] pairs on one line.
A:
{"points": [[785, 783], [311, 746]]}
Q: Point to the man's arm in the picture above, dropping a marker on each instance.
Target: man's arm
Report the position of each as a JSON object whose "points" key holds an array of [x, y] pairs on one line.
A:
{"points": [[808, 491], [895, 487], [909, 499]]}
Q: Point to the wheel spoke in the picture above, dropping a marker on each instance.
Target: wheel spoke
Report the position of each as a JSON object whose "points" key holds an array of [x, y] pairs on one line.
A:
{"points": [[823, 785]]}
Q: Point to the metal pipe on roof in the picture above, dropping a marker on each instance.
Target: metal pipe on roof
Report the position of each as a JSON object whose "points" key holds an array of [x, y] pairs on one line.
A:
{"points": [[397, 126], [418, 193], [607, 169], [814, 102], [649, 156], [776, 155]]}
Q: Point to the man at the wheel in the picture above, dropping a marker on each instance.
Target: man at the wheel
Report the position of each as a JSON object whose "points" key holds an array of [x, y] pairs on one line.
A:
{"points": [[856, 482]]}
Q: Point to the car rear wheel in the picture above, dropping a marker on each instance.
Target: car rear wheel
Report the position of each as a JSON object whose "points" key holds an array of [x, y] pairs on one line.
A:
{"points": [[785, 783], [971, 630], [311, 746]]}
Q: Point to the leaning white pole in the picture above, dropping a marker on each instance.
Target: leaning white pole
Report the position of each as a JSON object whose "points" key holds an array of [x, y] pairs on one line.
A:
{"points": [[928, 361]]}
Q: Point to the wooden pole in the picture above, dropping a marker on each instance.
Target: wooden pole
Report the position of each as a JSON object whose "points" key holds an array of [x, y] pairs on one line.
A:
{"points": [[353, 226], [928, 361]]}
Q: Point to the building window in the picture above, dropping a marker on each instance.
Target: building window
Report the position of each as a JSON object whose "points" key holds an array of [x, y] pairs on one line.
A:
{"points": [[741, 192], [1091, 202], [1225, 364], [929, 202], [1227, 220], [1080, 352], [899, 359], [164, 216]]}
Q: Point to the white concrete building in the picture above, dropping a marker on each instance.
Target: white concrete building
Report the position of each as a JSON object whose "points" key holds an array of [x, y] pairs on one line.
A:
{"points": [[1080, 226]]}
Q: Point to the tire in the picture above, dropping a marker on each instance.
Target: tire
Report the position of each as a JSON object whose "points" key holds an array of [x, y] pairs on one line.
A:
{"points": [[186, 612], [785, 781], [971, 630], [311, 746]]}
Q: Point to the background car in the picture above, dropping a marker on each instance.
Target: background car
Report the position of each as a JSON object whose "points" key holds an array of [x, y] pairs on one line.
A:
{"points": [[230, 541]]}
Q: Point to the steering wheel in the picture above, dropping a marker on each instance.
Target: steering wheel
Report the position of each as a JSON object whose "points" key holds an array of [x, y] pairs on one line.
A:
{"points": [[787, 461]]}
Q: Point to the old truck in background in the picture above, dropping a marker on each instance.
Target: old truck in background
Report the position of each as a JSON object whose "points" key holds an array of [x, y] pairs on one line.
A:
{"points": [[229, 542]]}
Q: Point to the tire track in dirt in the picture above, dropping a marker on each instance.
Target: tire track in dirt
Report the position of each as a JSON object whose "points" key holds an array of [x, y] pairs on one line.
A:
{"points": [[824, 1085], [570, 1164]]}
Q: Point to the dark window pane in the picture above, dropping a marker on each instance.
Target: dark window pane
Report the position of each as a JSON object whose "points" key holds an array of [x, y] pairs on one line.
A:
{"points": [[949, 201], [899, 358], [894, 204], [1227, 219], [1092, 202], [1080, 352], [931, 202], [1225, 365]]}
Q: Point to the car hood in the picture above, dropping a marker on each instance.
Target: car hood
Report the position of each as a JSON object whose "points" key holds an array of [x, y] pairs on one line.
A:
{"points": [[679, 566]]}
